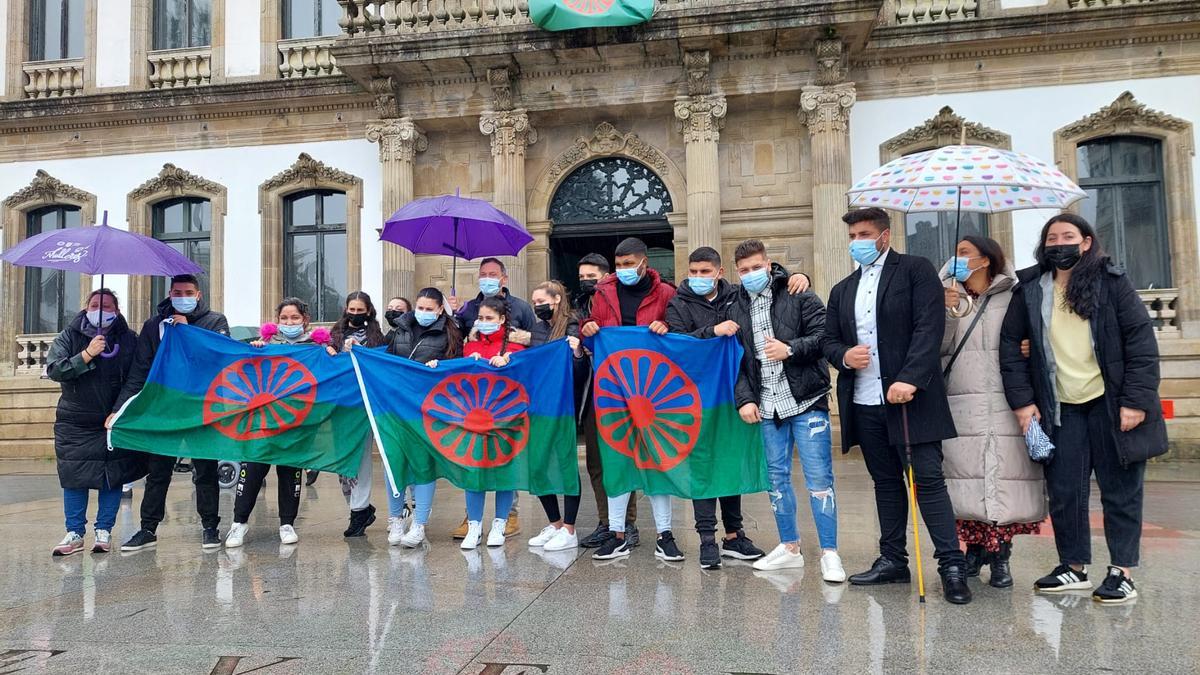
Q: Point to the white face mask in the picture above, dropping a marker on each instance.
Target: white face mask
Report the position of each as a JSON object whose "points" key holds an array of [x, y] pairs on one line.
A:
{"points": [[93, 317]]}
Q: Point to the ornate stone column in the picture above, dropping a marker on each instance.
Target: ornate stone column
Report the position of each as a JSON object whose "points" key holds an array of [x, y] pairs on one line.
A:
{"points": [[510, 133], [699, 116], [825, 110], [399, 142]]}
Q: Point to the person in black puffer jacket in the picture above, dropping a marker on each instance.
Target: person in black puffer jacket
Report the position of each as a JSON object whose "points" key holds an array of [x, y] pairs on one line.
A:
{"points": [[91, 359]]}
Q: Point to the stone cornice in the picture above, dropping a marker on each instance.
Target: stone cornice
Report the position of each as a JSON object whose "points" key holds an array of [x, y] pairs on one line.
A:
{"points": [[46, 189], [308, 171], [606, 140], [945, 126], [1124, 113], [176, 181]]}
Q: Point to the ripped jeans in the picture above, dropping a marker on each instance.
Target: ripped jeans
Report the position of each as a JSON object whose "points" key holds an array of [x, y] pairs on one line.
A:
{"points": [[809, 433]]}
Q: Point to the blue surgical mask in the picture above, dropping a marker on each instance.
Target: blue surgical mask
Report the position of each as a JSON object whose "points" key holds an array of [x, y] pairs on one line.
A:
{"points": [[630, 276], [93, 318], [702, 285], [486, 327], [489, 287], [425, 318], [756, 281], [863, 251], [185, 305], [961, 268], [291, 331]]}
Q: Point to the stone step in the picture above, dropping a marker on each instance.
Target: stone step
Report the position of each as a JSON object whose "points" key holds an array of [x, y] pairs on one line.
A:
{"points": [[26, 432], [1179, 388], [1180, 347], [1184, 428], [27, 449], [28, 415]]}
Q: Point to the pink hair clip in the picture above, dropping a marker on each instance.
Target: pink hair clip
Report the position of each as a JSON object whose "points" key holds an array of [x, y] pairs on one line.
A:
{"points": [[268, 330], [320, 336]]}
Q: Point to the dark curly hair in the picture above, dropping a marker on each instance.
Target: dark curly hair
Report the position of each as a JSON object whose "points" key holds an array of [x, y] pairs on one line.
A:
{"points": [[1082, 290]]}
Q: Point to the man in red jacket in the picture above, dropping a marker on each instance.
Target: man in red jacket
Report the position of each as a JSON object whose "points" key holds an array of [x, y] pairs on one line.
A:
{"points": [[634, 296]]}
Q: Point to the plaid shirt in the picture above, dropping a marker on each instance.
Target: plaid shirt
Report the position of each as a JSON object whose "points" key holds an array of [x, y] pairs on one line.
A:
{"points": [[776, 398]]}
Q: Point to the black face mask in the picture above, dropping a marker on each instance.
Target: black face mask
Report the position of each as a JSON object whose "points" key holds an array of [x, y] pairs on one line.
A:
{"points": [[1064, 257], [544, 312], [588, 286], [356, 320], [392, 316]]}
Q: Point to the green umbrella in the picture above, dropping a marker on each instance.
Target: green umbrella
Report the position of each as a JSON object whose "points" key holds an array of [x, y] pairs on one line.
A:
{"points": [[572, 14]]}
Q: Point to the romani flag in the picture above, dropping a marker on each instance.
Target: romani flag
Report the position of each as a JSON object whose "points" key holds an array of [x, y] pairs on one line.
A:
{"points": [[571, 14], [480, 427], [210, 397], [666, 419]]}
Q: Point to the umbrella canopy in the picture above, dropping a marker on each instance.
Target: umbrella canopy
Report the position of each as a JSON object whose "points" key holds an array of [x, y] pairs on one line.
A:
{"points": [[100, 250], [456, 226], [972, 178]]}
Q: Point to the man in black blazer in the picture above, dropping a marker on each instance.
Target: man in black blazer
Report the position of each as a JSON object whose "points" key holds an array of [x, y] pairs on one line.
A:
{"points": [[883, 332]]}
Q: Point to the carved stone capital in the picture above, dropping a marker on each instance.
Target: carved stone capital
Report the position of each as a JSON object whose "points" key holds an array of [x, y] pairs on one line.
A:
{"points": [[510, 130], [831, 61], [398, 139], [826, 109], [700, 118], [387, 103], [696, 68]]}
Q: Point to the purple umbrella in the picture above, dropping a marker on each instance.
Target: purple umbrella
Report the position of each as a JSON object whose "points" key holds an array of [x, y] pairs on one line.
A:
{"points": [[456, 226], [100, 250]]}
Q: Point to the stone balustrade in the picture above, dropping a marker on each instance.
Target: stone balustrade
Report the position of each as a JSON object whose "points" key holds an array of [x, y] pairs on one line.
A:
{"points": [[306, 58], [1161, 304], [175, 68], [31, 353], [935, 11], [53, 79]]}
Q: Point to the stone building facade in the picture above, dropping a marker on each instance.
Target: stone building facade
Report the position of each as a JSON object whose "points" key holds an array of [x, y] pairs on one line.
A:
{"points": [[255, 143]]}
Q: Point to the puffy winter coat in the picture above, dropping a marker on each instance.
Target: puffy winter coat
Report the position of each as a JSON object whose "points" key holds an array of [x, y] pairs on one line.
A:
{"points": [[520, 314], [606, 307], [496, 344], [988, 471], [693, 314], [88, 393], [414, 341]]}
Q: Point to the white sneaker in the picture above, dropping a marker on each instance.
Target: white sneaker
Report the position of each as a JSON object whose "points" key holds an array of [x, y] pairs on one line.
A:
{"points": [[831, 567], [395, 530], [780, 558], [414, 537], [496, 536], [287, 534], [474, 534], [562, 541], [237, 534], [544, 536]]}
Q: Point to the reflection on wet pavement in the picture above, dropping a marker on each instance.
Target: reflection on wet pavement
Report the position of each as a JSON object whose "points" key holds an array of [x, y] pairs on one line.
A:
{"points": [[331, 605]]}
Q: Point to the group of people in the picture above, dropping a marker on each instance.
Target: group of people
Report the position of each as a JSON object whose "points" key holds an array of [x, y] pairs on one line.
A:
{"points": [[923, 388]]}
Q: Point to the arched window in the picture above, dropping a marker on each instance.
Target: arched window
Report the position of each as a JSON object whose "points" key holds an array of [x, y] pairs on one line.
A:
{"points": [[186, 225], [1123, 176], [182, 23], [55, 29], [930, 234], [51, 296], [314, 227], [310, 18]]}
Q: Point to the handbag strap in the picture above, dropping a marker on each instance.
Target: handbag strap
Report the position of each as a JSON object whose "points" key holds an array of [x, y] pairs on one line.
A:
{"points": [[966, 336]]}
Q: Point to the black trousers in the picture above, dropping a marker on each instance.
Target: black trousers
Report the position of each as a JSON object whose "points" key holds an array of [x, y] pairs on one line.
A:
{"points": [[886, 464], [596, 472], [1084, 444], [158, 481], [706, 514], [569, 511], [287, 484]]}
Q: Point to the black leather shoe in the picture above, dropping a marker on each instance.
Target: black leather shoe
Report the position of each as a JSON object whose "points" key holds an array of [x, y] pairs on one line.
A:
{"points": [[1001, 573], [954, 585], [883, 571], [976, 555]]}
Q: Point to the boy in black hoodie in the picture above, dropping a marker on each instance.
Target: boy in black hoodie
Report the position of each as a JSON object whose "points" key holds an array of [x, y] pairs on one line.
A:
{"points": [[185, 304]]}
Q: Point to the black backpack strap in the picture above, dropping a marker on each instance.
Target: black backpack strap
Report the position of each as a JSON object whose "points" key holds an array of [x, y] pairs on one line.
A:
{"points": [[966, 336]]}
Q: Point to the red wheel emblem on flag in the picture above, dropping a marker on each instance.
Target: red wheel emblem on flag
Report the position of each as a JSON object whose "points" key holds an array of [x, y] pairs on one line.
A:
{"points": [[589, 6], [479, 420], [259, 397], [647, 408]]}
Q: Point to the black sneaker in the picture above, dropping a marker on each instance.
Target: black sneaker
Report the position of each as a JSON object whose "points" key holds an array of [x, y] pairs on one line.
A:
{"points": [[212, 539], [359, 522], [1063, 578], [741, 547], [710, 555], [310, 477], [598, 536], [613, 548], [665, 548], [631, 535], [140, 540], [1115, 589]]}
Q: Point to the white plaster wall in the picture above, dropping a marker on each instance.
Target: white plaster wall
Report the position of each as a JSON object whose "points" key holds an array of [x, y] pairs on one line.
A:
{"points": [[240, 170], [112, 42], [241, 39], [1029, 115], [3, 47]]}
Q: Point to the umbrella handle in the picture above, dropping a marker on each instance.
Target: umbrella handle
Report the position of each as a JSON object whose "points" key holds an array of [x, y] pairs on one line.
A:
{"points": [[912, 501]]}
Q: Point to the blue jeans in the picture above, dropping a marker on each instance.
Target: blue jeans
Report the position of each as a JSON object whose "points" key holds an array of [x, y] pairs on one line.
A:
{"points": [[659, 504], [75, 503], [504, 501], [809, 433], [422, 498]]}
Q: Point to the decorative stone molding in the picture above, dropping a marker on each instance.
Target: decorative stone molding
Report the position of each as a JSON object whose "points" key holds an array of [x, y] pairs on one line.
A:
{"points": [[170, 183], [606, 141], [174, 68], [696, 67], [43, 190], [53, 79], [386, 97], [935, 11], [509, 130], [305, 174], [501, 82], [398, 139], [1126, 116], [700, 118], [306, 58], [827, 109], [831, 61]]}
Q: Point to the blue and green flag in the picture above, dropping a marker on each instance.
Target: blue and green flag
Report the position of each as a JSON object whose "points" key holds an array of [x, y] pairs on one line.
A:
{"points": [[572, 14]]}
